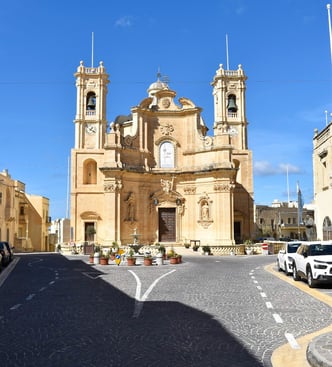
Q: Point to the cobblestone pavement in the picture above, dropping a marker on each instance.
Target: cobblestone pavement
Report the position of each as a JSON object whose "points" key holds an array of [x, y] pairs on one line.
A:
{"points": [[208, 311]]}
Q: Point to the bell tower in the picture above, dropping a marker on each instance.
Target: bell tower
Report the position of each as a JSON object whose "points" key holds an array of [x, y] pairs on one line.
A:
{"points": [[229, 106], [90, 121]]}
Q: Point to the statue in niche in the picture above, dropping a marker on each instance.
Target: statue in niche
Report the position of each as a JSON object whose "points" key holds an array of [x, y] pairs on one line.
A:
{"points": [[131, 207], [205, 211]]}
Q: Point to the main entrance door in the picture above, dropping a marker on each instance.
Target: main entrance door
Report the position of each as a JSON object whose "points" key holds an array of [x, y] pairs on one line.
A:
{"points": [[167, 225]]}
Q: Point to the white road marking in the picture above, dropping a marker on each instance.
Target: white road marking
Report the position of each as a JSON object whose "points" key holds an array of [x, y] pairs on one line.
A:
{"points": [[16, 307], [30, 296], [139, 301], [292, 341], [263, 294], [42, 289], [277, 318], [269, 305], [259, 288]]}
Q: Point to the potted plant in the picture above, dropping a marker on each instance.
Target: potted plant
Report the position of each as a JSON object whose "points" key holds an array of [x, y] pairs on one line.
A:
{"points": [[186, 244], [104, 259], [195, 247], [249, 249], [91, 258], [174, 259], [162, 250], [206, 250], [170, 253], [147, 260], [131, 259]]}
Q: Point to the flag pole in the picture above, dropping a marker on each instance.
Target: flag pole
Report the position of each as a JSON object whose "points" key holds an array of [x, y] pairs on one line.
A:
{"points": [[92, 48], [328, 6], [227, 60]]}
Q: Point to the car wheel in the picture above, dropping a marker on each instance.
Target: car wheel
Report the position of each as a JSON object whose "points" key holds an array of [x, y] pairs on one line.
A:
{"points": [[295, 275], [311, 282], [286, 269]]}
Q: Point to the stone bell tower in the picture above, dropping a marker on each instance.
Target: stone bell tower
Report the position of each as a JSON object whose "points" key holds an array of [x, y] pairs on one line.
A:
{"points": [[90, 121], [86, 197], [229, 107]]}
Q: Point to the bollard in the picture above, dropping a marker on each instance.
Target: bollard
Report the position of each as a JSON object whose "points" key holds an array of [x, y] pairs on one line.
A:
{"points": [[96, 258], [159, 258]]}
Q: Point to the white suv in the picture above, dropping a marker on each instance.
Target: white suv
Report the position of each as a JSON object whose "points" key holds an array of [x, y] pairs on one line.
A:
{"points": [[313, 261], [285, 257]]}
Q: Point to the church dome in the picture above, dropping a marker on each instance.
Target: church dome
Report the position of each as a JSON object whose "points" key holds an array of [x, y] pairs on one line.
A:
{"points": [[157, 86]]}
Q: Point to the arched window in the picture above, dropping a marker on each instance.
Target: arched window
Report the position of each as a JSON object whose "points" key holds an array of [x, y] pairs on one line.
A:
{"points": [[90, 172], [166, 153]]}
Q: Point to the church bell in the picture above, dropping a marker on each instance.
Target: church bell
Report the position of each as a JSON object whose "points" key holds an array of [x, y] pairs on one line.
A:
{"points": [[91, 103], [231, 107]]}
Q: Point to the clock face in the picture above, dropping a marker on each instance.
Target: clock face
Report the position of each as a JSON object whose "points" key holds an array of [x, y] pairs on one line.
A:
{"points": [[90, 129], [233, 131]]}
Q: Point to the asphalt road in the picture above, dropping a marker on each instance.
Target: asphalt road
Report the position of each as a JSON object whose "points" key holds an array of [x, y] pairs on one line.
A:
{"points": [[208, 311]]}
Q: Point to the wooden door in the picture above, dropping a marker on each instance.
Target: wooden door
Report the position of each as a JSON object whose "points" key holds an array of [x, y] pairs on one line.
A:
{"points": [[167, 225]]}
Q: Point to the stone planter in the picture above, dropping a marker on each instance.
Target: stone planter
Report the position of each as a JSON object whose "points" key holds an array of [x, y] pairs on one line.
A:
{"points": [[103, 261], [173, 260], [148, 261], [131, 261]]}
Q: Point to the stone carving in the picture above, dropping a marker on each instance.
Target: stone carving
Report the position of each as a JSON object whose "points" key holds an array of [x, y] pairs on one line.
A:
{"points": [[190, 190], [167, 185], [113, 186], [167, 129]]}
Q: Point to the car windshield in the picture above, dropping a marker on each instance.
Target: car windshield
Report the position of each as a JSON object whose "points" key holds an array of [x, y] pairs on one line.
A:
{"points": [[319, 249], [292, 247]]}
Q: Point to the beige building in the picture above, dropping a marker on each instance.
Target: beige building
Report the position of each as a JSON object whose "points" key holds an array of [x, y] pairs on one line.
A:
{"points": [[281, 222], [322, 169], [156, 171], [24, 218]]}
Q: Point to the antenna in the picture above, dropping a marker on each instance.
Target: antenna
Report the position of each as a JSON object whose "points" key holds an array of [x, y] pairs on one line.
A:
{"points": [[92, 48], [227, 61], [325, 118], [328, 6]]}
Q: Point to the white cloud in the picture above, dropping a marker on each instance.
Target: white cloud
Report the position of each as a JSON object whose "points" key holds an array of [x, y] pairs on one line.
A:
{"points": [[123, 22], [265, 168]]}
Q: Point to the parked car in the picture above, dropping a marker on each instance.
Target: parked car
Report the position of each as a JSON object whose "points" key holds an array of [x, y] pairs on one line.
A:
{"points": [[5, 254], [10, 249], [285, 257], [313, 262]]}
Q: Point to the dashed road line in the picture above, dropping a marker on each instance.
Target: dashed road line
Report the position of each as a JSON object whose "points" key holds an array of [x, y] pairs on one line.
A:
{"points": [[277, 318], [269, 305], [15, 307], [30, 296], [263, 294], [292, 341]]}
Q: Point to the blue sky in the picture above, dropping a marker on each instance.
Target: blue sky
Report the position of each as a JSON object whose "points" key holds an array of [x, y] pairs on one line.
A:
{"points": [[282, 45]]}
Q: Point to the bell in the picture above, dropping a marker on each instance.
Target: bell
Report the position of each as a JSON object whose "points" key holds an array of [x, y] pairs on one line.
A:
{"points": [[231, 107], [91, 103]]}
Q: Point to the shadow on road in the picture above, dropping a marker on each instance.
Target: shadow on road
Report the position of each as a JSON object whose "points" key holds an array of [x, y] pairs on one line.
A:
{"points": [[84, 321]]}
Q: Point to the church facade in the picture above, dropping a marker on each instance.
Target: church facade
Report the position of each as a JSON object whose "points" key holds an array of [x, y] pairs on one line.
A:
{"points": [[157, 172]]}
